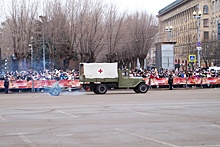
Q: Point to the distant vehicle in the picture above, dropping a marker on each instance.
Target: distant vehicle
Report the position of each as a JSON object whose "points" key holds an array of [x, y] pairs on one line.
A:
{"points": [[214, 68], [100, 77]]}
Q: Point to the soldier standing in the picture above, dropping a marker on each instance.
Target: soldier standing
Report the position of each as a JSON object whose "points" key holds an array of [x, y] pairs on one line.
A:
{"points": [[170, 82], [6, 85]]}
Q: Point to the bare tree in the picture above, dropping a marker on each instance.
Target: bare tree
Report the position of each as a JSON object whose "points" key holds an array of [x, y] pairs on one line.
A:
{"points": [[21, 21], [55, 28], [142, 28], [60, 32], [211, 52], [78, 30], [91, 37], [114, 36]]}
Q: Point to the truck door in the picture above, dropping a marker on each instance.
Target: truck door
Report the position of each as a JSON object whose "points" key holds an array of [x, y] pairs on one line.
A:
{"points": [[124, 80]]}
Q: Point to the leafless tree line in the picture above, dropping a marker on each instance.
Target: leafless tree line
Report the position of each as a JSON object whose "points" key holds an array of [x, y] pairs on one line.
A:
{"points": [[211, 52], [76, 30]]}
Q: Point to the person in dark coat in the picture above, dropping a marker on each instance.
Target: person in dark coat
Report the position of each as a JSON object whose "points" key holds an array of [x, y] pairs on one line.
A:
{"points": [[6, 85], [170, 82]]}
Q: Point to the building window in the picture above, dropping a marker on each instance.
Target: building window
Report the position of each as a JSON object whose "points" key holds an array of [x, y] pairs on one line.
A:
{"points": [[205, 22], [213, 6], [205, 9], [206, 36]]}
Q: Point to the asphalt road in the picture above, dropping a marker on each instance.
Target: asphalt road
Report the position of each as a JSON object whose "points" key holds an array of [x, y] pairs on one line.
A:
{"points": [[159, 118]]}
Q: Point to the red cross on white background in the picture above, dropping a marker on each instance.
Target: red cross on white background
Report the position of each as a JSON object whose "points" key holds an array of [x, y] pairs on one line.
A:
{"points": [[100, 71]]}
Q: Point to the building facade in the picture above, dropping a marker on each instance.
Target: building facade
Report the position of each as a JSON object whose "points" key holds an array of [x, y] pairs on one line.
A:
{"points": [[182, 23]]}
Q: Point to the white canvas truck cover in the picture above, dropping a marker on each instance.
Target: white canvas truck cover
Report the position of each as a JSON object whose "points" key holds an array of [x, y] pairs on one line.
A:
{"points": [[100, 70]]}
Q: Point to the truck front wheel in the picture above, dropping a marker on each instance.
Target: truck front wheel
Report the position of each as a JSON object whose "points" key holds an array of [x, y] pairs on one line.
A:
{"points": [[101, 89], [142, 88], [136, 90]]}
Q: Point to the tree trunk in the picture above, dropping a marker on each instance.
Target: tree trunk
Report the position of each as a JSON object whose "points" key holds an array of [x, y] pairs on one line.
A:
{"points": [[20, 64], [133, 63], [141, 60]]}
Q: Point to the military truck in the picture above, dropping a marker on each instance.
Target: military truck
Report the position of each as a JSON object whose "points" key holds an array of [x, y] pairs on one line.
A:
{"points": [[100, 77]]}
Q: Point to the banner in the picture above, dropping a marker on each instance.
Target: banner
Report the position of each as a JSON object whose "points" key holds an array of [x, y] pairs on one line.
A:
{"points": [[158, 81], [183, 81], [179, 81], [211, 81], [22, 84], [194, 81]]}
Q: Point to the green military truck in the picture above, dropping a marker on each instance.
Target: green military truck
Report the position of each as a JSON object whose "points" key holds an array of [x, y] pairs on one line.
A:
{"points": [[100, 77]]}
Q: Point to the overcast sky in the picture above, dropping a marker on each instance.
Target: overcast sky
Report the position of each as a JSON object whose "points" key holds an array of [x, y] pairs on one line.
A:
{"points": [[151, 6]]}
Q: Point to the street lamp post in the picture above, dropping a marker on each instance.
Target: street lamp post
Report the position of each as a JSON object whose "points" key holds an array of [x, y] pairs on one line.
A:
{"points": [[32, 53], [198, 48], [6, 64], [169, 30], [0, 60], [43, 20], [6, 61], [32, 56]]}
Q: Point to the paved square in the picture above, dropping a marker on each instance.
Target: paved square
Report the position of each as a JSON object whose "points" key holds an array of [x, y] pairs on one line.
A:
{"points": [[176, 118]]}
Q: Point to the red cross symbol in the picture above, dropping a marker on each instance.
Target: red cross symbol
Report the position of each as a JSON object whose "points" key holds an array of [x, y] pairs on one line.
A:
{"points": [[100, 71]]}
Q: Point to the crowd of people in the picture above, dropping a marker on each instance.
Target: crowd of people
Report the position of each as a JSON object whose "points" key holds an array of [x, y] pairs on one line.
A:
{"points": [[74, 74], [40, 75], [165, 73]]}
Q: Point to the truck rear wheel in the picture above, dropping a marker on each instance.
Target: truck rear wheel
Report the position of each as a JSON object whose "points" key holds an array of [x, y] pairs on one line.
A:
{"points": [[142, 88], [94, 89], [100, 89]]}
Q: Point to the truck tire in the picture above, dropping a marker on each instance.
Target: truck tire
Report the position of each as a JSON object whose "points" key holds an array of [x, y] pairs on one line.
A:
{"points": [[136, 90], [94, 89], [54, 91], [101, 89], [142, 88]]}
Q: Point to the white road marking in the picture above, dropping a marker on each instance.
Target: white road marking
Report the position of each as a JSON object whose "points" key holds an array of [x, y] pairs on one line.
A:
{"points": [[26, 140], [172, 104], [204, 145], [2, 118], [64, 135], [217, 126], [146, 138], [142, 113], [13, 134], [66, 113]]}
